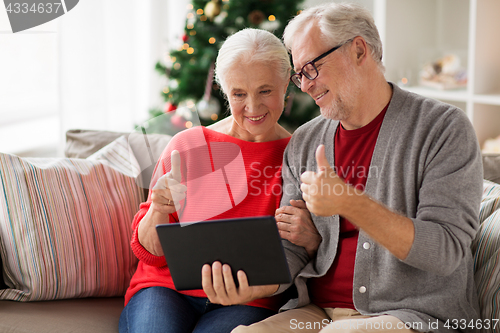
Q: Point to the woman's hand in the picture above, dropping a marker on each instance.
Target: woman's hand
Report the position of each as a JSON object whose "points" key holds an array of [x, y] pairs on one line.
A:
{"points": [[165, 199], [295, 224], [218, 284]]}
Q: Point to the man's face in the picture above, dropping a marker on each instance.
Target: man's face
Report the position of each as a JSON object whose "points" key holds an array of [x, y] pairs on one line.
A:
{"points": [[337, 86]]}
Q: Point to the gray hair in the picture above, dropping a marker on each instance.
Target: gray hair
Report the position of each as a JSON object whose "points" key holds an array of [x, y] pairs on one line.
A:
{"points": [[251, 45], [338, 23]]}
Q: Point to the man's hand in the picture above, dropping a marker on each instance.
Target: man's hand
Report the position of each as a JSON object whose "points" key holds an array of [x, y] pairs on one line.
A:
{"points": [[218, 284], [295, 224], [326, 194], [323, 191]]}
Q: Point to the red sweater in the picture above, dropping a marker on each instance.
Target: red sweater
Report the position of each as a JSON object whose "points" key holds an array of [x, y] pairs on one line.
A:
{"points": [[226, 178]]}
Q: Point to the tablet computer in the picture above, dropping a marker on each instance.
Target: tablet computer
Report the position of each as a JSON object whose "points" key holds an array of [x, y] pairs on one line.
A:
{"points": [[249, 244]]}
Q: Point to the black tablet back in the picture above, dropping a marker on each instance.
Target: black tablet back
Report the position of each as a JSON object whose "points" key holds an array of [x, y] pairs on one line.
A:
{"points": [[250, 244]]}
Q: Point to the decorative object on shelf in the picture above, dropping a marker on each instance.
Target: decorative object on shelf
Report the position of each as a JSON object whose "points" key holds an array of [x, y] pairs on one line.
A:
{"points": [[492, 146], [444, 73]]}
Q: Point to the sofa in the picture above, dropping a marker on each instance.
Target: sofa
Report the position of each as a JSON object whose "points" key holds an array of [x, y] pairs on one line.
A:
{"points": [[65, 231]]}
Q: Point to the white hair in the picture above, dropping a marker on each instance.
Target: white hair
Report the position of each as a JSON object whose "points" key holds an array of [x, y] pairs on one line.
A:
{"points": [[338, 23], [251, 46]]}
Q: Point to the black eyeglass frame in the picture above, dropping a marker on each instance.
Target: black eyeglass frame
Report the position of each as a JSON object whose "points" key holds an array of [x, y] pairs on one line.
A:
{"points": [[297, 77]]}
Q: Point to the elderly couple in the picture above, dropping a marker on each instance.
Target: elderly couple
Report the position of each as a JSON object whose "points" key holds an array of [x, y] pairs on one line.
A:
{"points": [[386, 251]]}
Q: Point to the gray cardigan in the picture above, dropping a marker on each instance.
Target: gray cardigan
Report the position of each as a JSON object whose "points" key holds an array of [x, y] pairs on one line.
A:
{"points": [[427, 166]]}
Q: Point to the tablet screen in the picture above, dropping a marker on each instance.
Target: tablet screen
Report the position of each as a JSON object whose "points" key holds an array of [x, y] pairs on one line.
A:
{"points": [[249, 244]]}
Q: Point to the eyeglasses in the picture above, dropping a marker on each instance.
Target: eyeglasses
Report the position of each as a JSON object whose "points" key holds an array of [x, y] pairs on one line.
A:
{"points": [[309, 70]]}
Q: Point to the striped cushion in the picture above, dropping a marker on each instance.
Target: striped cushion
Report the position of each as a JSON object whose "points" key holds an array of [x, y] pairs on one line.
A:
{"points": [[486, 250], [65, 225]]}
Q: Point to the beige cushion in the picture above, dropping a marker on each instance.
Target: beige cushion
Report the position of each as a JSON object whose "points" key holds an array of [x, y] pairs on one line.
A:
{"points": [[491, 167], [486, 250], [96, 315], [83, 143], [146, 149]]}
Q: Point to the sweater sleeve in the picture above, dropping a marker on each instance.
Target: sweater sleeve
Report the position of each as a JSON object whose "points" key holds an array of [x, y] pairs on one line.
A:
{"points": [[449, 197], [296, 255], [140, 252]]}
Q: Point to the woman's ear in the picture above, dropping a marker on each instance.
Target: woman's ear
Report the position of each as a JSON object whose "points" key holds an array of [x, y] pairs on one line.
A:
{"points": [[286, 87]]}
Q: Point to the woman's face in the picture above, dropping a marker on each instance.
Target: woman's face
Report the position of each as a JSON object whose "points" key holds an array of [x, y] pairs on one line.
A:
{"points": [[256, 97]]}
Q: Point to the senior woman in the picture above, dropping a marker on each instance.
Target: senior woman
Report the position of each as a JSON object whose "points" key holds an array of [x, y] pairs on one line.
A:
{"points": [[252, 69]]}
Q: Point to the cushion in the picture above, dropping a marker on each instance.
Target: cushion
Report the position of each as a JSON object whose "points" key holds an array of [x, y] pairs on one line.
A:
{"points": [[146, 149], [96, 315], [83, 143], [65, 225], [2, 283], [486, 250], [491, 167]]}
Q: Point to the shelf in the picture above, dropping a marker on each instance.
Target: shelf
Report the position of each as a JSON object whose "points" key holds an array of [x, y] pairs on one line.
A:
{"points": [[459, 95], [487, 99], [416, 32]]}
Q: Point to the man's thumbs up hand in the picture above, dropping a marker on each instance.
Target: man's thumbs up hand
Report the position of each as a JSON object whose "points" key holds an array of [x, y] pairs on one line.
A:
{"points": [[323, 165], [323, 191]]}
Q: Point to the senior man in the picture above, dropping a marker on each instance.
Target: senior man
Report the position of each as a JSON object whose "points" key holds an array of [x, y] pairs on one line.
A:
{"points": [[393, 182]]}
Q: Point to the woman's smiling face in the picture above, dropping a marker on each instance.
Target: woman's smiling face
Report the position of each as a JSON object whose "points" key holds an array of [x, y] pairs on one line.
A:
{"points": [[256, 95]]}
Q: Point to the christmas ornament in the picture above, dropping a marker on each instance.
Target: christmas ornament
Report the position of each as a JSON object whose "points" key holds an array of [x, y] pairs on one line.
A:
{"points": [[169, 107], [208, 106], [270, 25], [206, 109], [239, 21], [212, 9], [185, 38], [178, 121], [256, 17], [186, 109], [220, 18]]}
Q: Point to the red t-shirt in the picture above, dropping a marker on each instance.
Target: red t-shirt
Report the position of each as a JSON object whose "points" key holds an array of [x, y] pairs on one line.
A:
{"points": [[353, 155], [238, 179]]}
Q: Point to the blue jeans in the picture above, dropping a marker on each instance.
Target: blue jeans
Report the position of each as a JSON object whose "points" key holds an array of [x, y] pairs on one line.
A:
{"points": [[159, 309]]}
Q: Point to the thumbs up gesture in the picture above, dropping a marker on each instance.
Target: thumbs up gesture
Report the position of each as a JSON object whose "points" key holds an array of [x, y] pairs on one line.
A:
{"points": [[168, 190], [323, 191]]}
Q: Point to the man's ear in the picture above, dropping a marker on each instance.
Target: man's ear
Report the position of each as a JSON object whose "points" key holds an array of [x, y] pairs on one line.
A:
{"points": [[361, 49]]}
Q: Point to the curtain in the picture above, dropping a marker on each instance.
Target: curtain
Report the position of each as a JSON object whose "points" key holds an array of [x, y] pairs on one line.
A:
{"points": [[92, 68]]}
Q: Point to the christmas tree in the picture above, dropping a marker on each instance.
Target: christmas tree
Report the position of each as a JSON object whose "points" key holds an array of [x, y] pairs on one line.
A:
{"points": [[189, 69]]}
